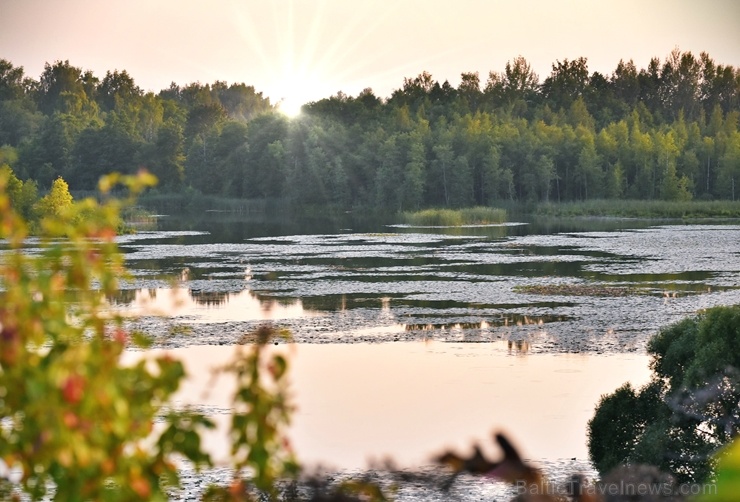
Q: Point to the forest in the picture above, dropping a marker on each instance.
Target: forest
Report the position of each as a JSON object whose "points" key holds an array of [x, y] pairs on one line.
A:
{"points": [[668, 131]]}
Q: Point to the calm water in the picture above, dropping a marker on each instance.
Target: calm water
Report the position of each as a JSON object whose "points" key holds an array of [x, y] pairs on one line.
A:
{"points": [[540, 362], [409, 401]]}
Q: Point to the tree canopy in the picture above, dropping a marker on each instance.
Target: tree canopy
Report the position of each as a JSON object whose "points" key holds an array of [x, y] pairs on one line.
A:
{"points": [[667, 131]]}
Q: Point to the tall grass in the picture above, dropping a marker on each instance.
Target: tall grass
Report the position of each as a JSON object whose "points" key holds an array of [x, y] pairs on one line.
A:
{"points": [[643, 209], [455, 217]]}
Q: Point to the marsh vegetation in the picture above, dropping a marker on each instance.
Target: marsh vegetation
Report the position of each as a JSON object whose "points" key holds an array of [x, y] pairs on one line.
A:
{"points": [[455, 217]]}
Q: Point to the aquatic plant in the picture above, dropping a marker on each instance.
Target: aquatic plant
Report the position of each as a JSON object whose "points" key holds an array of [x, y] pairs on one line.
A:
{"points": [[693, 209], [455, 217], [578, 290]]}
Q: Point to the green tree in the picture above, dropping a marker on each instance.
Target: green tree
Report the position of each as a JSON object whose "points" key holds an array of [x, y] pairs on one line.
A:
{"points": [[115, 89], [100, 150], [728, 177], [649, 82], [57, 201], [621, 417], [19, 119], [168, 162], [229, 160], [641, 176], [516, 88], [578, 115], [241, 102], [362, 171], [687, 411], [670, 186], [442, 166], [719, 85], [65, 88], [22, 196], [267, 136], [204, 119], [566, 83], [680, 85], [588, 174], [626, 84], [414, 172], [13, 84], [469, 90], [49, 154]]}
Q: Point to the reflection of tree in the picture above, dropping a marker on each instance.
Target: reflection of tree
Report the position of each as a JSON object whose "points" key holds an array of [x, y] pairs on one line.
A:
{"points": [[270, 303], [132, 296], [210, 298], [331, 303], [519, 346], [267, 301], [510, 320], [123, 297], [442, 326]]}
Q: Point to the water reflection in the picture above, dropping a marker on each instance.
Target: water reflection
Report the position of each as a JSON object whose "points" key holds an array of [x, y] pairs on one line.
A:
{"points": [[209, 306], [412, 400], [580, 283], [502, 320], [518, 346]]}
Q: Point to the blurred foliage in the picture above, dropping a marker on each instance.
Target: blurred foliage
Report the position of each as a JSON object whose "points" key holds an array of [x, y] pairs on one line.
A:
{"points": [[76, 424], [261, 412], [727, 484]]}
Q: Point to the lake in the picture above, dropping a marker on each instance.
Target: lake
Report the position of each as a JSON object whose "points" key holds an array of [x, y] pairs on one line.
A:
{"points": [[411, 340]]}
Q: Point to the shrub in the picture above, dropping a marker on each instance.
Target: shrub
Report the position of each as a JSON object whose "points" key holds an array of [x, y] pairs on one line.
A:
{"points": [[687, 411]]}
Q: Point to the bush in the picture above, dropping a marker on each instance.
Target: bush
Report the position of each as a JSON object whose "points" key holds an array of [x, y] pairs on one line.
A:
{"points": [[688, 410]]}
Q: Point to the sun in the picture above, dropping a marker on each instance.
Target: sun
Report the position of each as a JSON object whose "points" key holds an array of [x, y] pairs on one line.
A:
{"points": [[296, 87], [303, 54], [290, 107]]}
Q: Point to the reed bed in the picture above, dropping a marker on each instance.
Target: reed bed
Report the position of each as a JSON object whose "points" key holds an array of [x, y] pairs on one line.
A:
{"points": [[455, 217]]}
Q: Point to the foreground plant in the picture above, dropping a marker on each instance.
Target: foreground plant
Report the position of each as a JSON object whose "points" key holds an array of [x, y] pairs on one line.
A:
{"points": [[727, 486], [75, 424], [261, 454], [74, 421]]}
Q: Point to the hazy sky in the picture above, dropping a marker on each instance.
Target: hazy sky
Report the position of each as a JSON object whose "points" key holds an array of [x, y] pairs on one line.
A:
{"points": [[302, 50]]}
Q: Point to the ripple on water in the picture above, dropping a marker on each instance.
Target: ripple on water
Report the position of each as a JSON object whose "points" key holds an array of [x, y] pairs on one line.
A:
{"points": [[671, 271]]}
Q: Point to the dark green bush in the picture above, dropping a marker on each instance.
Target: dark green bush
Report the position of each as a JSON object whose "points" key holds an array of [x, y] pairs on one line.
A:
{"points": [[687, 411]]}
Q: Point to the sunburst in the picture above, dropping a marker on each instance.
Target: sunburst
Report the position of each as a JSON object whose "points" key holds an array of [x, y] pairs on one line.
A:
{"points": [[304, 52]]}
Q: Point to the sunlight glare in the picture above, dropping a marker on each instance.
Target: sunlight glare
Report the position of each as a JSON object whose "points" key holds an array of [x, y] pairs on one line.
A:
{"points": [[302, 54], [297, 87], [289, 107]]}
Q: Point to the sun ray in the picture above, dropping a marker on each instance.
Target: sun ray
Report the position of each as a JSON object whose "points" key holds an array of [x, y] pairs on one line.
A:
{"points": [[248, 30], [306, 59]]}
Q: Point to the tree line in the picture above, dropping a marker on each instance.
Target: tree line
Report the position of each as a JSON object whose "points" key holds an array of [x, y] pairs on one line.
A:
{"points": [[668, 131]]}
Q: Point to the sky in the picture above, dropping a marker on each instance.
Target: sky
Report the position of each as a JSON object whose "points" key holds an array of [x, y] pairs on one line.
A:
{"points": [[303, 50]]}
